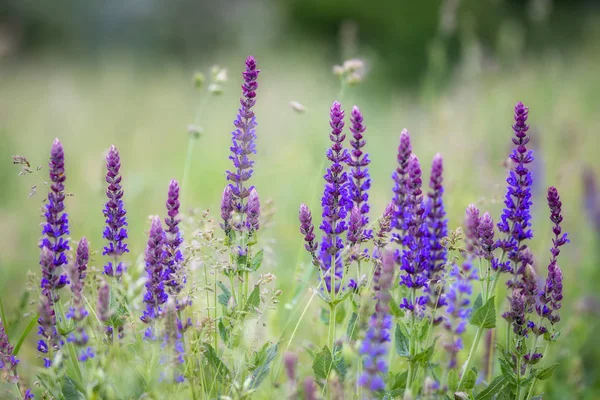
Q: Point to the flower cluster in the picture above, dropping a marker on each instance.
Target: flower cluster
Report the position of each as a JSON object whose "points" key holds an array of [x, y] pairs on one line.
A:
{"points": [[8, 362], [173, 274], [359, 180], [400, 177], [155, 295], [114, 213]]}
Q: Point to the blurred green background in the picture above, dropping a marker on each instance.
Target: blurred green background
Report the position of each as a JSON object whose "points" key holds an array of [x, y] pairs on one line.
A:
{"points": [[112, 72]]}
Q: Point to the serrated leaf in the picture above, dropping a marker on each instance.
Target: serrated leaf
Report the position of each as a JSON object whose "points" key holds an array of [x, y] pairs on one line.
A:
{"points": [[424, 356], [220, 368], [470, 379], [339, 364], [262, 370], [398, 381], [493, 388], [351, 330], [506, 394], [507, 372], [225, 296], [322, 363], [485, 316], [257, 260], [69, 390], [547, 372], [477, 303], [253, 299], [401, 342]]}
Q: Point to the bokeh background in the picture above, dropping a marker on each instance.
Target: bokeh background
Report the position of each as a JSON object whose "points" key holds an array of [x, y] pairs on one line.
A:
{"points": [[96, 73]]}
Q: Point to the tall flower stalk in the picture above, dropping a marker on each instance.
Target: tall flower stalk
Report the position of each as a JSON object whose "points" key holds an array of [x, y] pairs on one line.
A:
{"points": [[155, 295], [400, 177], [174, 278]]}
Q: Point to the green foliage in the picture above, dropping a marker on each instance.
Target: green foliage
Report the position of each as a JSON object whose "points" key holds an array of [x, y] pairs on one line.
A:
{"points": [[253, 299], [401, 342], [262, 363], [546, 373], [69, 390], [470, 379], [323, 363], [225, 295], [219, 367], [484, 315], [493, 388]]}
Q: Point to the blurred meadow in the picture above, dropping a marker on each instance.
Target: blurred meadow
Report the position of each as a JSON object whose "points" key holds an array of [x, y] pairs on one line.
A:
{"points": [[100, 81]]}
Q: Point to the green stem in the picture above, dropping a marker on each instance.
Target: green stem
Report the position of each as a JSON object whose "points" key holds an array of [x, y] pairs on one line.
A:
{"points": [[530, 393], [412, 348], [478, 335]]}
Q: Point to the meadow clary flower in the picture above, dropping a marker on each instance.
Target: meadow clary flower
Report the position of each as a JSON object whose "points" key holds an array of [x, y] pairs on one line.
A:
{"points": [[359, 180], [486, 237], [335, 201], [414, 258], [78, 312], [173, 338], [472, 230], [308, 230], [226, 209], [103, 307], [114, 213], [551, 296], [56, 227], [50, 341], [243, 139], [173, 258], [374, 347], [515, 222], [380, 239], [400, 191], [8, 362], [253, 211], [155, 295]]}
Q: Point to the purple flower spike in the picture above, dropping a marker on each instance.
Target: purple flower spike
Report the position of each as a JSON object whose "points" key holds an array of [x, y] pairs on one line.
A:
{"points": [[307, 229], [400, 191], [78, 274], [155, 295], [551, 297], [173, 258], [226, 208], [355, 227], [114, 213], [103, 308], [486, 237], [252, 220], [57, 225], [385, 227], [47, 322], [472, 229], [374, 348], [335, 200], [436, 221], [7, 360], [516, 217], [359, 179], [244, 137]]}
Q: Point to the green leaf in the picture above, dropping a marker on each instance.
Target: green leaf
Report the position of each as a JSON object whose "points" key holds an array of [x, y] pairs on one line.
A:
{"points": [[253, 299], [220, 368], [395, 310], [470, 379], [506, 393], [478, 303], [485, 316], [351, 330], [262, 370], [28, 329], [402, 343], [322, 363], [452, 380], [493, 388], [424, 356], [507, 372], [547, 372], [225, 296], [257, 260], [223, 332], [69, 390], [398, 381], [339, 363]]}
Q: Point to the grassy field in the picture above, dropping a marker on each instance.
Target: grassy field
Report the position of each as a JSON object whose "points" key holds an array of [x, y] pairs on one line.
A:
{"points": [[144, 106]]}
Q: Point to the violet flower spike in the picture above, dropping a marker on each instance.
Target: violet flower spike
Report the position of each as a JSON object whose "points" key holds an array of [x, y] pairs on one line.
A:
{"points": [[374, 348], [472, 230], [8, 361], [114, 213], [307, 229], [359, 179], [244, 138], [56, 227], [253, 212], [335, 201], [516, 217], [226, 209], [173, 258], [155, 295], [486, 237], [400, 191], [50, 341]]}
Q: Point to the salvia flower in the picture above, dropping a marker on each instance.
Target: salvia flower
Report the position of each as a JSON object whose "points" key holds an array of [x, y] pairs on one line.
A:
{"points": [[307, 229], [114, 214], [78, 312], [414, 258], [472, 229], [226, 209], [50, 341], [374, 347], [173, 258], [359, 179], [515, 222], [400, 191], [103, 307], [253, 211], [551, 296], [56, 227], [155, 295], [385, 227], [8, 362], [244, 138], [335, 200], [173, 338], [486, 237]]}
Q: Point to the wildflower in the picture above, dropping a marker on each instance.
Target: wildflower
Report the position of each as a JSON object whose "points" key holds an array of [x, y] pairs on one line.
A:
{"points": [[114, 213], [77, 275], [334, 201], [226, 209], [486, 236], [47, 321], [385, 227], [414, 258], [173, 258], [307, 229], [243, 138], [103, 308], [551, 296], [359, 179], [516, 217], [56, 227], [8, 362], [253, 211], [155, 295], [472, 229], [400, 177], [290, 361], [173, 338], [374, 347], [310, 389]]}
